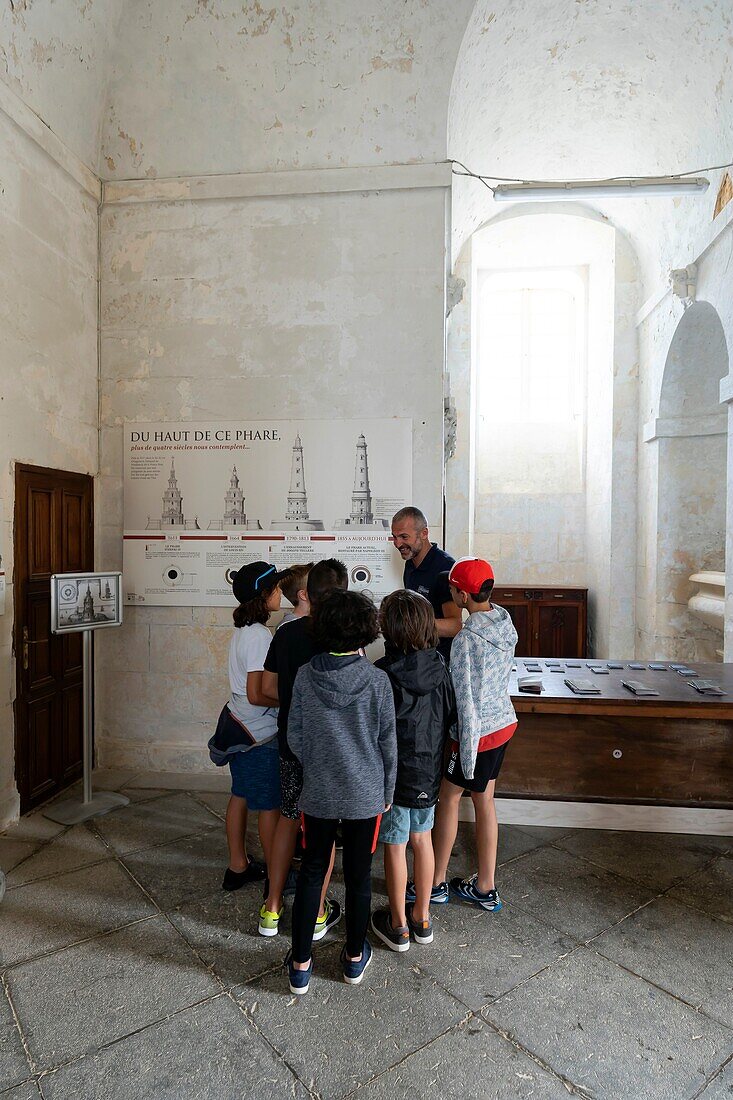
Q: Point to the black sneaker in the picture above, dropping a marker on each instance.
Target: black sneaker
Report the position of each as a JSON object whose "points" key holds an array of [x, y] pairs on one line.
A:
{"points": [[235, 880], [439, 895], [397, 939], [422, 930], [467, 890]]}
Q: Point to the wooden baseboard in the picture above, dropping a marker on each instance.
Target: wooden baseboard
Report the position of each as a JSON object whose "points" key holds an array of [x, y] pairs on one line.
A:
{"points": [[598, 815]]}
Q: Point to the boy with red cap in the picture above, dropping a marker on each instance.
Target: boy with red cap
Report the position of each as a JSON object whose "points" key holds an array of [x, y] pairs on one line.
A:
{"points": [[481, 663]]}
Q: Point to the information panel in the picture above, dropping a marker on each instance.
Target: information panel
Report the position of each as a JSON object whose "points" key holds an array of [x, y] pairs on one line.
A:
{"points": [[201, 500]]}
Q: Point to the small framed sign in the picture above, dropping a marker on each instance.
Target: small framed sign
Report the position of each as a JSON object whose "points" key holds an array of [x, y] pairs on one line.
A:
{"points": [[85, 601]]}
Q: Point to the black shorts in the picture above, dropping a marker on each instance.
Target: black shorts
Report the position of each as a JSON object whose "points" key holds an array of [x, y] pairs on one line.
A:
{"points": [[487, 767]]}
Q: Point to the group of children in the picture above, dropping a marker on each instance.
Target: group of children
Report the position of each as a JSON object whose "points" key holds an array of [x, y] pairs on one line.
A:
{"points": [[322, 742]]}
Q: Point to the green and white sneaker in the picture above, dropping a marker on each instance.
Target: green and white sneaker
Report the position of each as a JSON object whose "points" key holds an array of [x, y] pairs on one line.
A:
{"points": [[331, 916], [269, 922]]}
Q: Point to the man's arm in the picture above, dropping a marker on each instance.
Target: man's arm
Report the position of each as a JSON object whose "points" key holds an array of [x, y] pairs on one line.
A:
{"points": [[451, 622]]}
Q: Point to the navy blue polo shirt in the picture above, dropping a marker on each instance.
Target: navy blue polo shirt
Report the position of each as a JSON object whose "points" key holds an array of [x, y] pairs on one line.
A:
{"points": [[430, 579]]}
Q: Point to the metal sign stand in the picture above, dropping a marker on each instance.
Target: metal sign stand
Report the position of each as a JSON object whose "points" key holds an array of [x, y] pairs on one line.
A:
{"points": [[72, 810]]}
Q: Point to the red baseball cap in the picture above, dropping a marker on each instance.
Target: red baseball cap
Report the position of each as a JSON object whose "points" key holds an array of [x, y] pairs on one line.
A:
{"points": [[470, 574]]}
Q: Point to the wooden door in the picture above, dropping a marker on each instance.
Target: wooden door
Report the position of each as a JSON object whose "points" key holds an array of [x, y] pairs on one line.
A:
{"points": [[53, 534], [515, 601], [558, 625]]}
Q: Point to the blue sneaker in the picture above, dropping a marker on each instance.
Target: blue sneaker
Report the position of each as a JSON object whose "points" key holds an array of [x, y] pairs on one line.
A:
{"points": [[354, 971], [439, 894], [467, 890], [299, 980]]}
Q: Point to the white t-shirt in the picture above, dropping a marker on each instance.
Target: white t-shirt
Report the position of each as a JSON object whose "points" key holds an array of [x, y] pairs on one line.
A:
{"points": [[247, 651]]}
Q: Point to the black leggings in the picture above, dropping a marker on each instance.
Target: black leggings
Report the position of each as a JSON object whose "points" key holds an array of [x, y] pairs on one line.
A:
{"points": [[360, 840]]}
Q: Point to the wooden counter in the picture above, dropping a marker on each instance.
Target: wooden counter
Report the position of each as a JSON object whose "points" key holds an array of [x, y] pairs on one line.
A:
{"points": [[673, 749]]}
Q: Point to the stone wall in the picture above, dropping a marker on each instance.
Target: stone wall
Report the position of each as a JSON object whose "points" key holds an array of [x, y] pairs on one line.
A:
{"points": [[48, 327], [303, 306]]}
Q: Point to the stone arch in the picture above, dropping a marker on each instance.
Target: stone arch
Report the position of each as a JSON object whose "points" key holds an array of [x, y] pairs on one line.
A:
{"points": [[696, 362], [691, 439]]}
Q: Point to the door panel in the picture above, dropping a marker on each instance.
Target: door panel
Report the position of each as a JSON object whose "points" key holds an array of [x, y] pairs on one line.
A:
{"points": [[557, 628], [41, 726], [72, 546], [53, 534], [37, 653], [72, 728], [41, 534]]}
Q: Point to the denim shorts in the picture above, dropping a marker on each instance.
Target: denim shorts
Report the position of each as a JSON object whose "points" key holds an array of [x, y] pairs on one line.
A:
{"points": [[256, 776], [400, 821]]}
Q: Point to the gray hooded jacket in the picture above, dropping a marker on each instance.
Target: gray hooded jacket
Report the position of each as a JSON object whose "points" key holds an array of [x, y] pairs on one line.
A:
{"points": [[341, 727], [480, 666]]}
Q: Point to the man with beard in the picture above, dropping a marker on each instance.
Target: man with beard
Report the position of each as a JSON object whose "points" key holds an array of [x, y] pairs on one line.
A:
{"points": [[426, 572]]}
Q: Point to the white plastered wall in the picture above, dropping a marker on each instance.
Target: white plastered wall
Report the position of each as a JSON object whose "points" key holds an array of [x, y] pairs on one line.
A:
{"points": [[48, 322]]}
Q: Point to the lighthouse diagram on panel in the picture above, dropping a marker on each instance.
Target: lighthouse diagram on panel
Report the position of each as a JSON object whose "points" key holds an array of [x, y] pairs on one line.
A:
{"points": [[296, 516], [362, 516], [172, 516], [235, 517]]}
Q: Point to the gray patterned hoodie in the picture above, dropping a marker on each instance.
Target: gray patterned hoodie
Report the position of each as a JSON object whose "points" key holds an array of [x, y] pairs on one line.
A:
{"points": [[480, 666]]}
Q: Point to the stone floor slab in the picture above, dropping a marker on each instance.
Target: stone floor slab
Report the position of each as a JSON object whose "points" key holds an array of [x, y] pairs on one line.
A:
{"points": [[395, 1011], [222, 927], [142, 794], [514, 842], [569, 893], [186, 869], [13, 852], [470, 1061], [478, 956], [158, 822], [217, 803], [76, 847], [74, 1001], [209, 1051], [611, 1033], [55, 912], [14, 1066], [26, 1091], [721, 1087], [548, 834], [711, 889], [681, 949], [34, 827], [655, 859]]}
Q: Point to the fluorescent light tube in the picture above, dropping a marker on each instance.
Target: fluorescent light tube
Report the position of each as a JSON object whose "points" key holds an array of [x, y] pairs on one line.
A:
{"points": [[606, 189]]}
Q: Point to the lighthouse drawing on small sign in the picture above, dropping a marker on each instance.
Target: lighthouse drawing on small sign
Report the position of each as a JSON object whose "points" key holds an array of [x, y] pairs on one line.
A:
{"points": [[297, 517], [361, 516]]}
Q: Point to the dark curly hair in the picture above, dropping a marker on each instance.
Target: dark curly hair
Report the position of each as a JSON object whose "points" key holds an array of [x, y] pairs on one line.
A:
{"points": [[407, 620], [253, 611], [345, 621]]}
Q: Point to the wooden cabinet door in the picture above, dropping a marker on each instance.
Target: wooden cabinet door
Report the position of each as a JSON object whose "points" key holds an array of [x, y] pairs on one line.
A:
{"points": [[515, 602], [53, 534], [557, 626]]}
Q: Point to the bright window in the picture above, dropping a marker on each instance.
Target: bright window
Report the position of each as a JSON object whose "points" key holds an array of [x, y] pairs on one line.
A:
{"points": [[531, 365]]}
